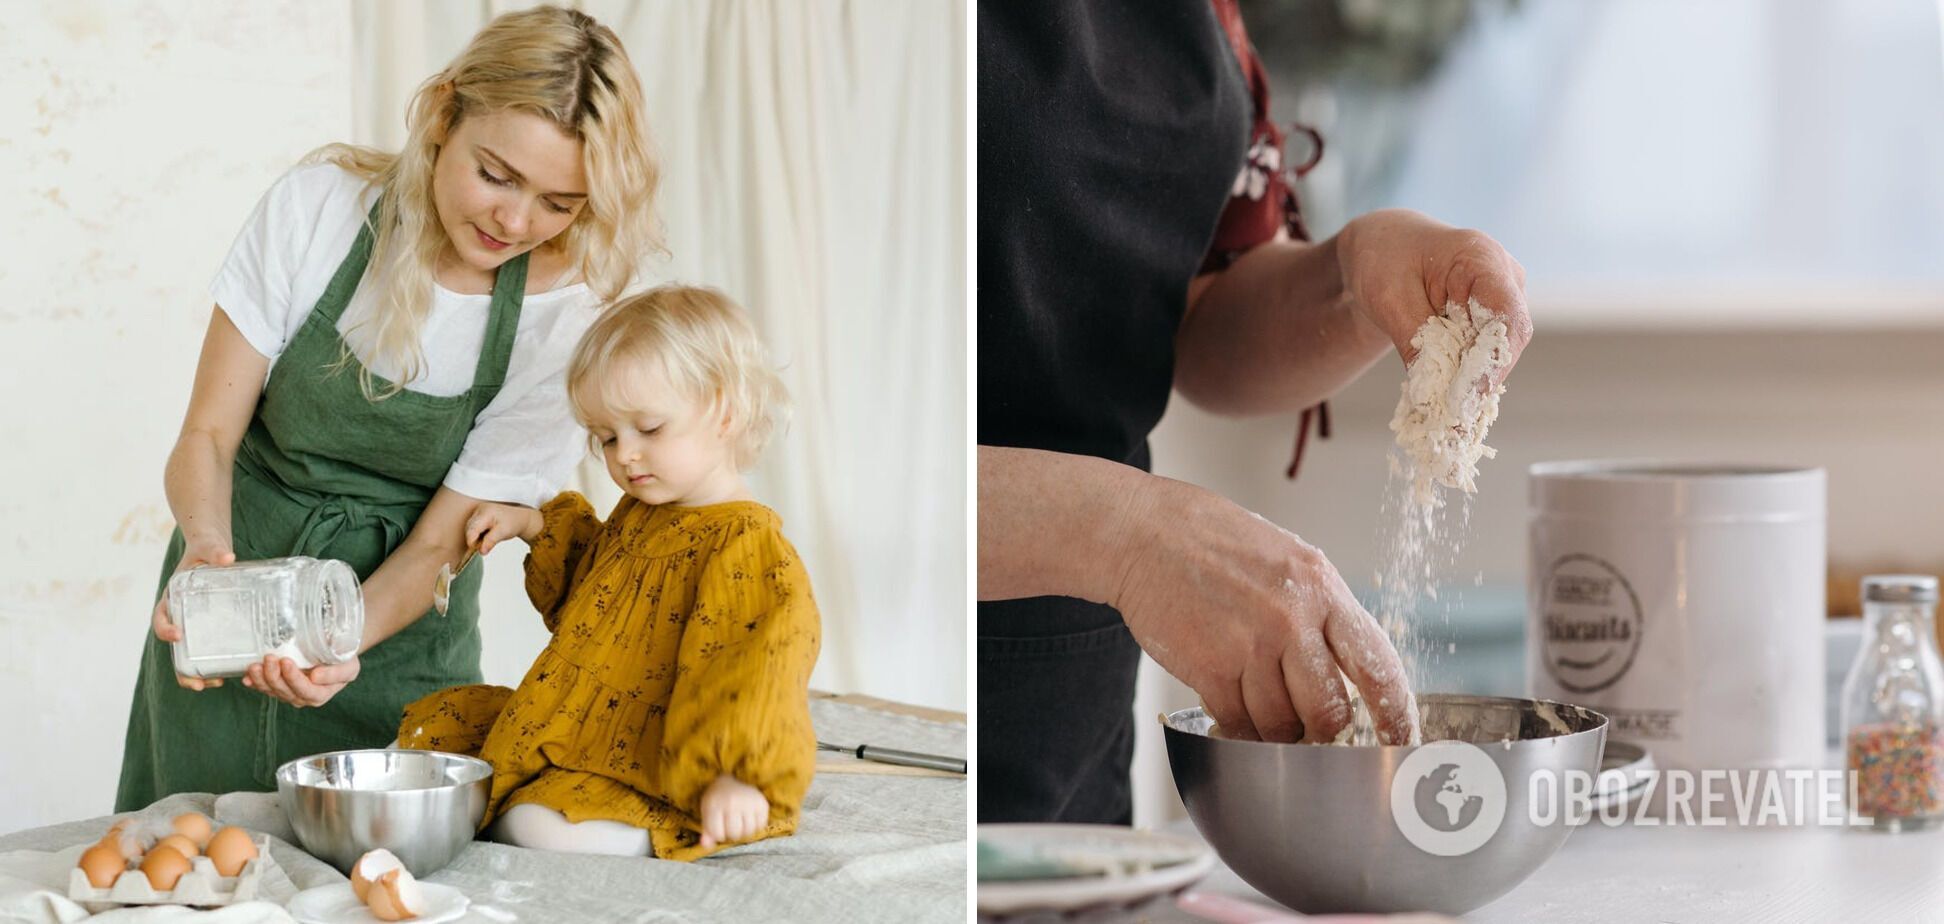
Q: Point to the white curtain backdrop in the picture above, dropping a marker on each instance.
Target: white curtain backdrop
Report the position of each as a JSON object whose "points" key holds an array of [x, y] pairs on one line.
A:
{"points": [[814, 169]]}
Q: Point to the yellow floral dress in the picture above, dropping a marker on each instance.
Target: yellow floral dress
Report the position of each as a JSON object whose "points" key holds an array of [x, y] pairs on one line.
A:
{"points": [[683, 639]]}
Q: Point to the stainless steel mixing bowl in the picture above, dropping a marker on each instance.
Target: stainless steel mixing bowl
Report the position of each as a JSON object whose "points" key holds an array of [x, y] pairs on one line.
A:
{"points": [[423, 806], [1312, 825]]}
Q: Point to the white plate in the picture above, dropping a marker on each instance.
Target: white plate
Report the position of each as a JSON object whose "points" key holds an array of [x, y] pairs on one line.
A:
{"points": [[1009, 897], [337, 904]]}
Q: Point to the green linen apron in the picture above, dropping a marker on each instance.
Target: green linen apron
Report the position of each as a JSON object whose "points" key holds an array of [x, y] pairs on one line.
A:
{"points": [[324, 472]]}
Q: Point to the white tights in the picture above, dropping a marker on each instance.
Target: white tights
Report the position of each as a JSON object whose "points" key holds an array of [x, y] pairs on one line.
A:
{"points": [[542, 828]]}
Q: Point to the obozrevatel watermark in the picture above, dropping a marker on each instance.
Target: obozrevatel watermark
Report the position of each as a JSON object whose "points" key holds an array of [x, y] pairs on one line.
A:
{"points": [[1448, 798], [1708, 798]]}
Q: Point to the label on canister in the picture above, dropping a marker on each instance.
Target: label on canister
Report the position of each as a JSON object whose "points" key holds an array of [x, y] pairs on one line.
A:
{"points": [[1592, 631]]}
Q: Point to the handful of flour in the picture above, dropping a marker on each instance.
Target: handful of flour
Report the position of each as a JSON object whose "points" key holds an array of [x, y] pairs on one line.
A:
{"points": [[1450, 399]]}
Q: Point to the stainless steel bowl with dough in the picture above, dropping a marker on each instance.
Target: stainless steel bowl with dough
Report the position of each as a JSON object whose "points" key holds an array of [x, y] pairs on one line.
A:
{"points": [[1444, 826]]}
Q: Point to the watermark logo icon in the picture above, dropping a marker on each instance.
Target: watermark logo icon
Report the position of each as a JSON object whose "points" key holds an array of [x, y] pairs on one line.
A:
{"points": [[1448, 798]]}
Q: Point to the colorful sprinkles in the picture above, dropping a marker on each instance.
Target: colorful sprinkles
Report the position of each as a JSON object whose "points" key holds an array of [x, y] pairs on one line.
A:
{"points": [[1899, 770]]}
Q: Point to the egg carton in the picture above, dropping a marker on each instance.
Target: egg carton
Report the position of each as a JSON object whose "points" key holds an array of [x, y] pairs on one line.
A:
{"points": [[202, 885]]}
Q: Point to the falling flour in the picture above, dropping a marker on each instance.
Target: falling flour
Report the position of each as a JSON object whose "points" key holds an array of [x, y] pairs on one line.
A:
{"points": [[1450, 399]]}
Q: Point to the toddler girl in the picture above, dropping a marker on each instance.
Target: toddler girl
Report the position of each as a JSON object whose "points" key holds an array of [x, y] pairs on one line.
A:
{"points": [[669, 715]]}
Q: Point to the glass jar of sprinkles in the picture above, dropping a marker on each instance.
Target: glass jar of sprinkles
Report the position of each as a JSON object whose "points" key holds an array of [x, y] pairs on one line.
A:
{"points": [[1893, 706], [306, 609]]}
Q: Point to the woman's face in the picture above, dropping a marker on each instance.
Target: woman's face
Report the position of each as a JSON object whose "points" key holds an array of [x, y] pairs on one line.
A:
{"points": [[504, 184]]}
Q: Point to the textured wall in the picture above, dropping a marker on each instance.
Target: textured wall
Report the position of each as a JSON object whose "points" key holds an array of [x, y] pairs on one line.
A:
{"points": [[138, 136]]}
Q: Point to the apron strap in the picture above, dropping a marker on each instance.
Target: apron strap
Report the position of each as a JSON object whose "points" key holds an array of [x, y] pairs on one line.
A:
{"points": [[344, 282], [502, 325], [503, 320]]}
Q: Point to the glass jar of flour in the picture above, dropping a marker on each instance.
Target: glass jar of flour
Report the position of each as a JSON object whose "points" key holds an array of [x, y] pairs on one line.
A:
{"points": [[305, 609], [1893, 706]]}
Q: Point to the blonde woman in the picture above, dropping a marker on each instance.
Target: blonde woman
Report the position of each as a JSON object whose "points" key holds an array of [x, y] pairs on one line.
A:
{"points": [[388, 350]]}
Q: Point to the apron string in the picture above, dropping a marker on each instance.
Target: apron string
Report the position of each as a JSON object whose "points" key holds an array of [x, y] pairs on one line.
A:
{"points": [[333, 515], [325, 522]]}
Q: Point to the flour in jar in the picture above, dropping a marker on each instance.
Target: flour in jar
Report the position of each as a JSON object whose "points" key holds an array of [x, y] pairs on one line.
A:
{"points": [[1449, 400]]}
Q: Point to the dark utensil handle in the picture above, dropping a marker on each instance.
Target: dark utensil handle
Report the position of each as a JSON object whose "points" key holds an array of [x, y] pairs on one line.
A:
{"points": [[911, 758]]}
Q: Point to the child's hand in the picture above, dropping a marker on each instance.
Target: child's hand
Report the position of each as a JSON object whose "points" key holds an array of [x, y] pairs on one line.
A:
{"points": [[732, 811], [492, 524]]}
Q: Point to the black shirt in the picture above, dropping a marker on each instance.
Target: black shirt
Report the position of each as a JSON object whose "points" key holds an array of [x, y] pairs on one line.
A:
{"points": [[1109, 135]]}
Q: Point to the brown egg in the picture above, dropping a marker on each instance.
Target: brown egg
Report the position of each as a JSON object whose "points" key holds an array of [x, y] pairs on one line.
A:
{"points": [[103, 863], [395, 896], [230, 849], [163, 866], [121, 842], [128, 837], [194, 826], [182, 845]]}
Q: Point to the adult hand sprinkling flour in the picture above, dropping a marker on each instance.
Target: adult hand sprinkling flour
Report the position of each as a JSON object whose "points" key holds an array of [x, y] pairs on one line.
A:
{"points": [[1100, 288], [1402, 268], [1377, 282]]}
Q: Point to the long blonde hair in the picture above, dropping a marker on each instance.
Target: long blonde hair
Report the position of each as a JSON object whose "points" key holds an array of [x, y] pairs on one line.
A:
{"points": [[706, 346], [560, 65]]}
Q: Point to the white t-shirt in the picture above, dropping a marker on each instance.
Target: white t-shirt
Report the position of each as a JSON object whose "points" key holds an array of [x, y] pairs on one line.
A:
{"points": [[525, 442]]}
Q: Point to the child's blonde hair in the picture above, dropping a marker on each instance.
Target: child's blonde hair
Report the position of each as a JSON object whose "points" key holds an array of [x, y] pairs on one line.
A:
{"points": [[560, 65], [707, 348]]}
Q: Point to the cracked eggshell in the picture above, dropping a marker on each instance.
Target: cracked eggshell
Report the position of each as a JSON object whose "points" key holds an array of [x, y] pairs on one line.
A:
{"points": [[396, 896], [368, 868]]}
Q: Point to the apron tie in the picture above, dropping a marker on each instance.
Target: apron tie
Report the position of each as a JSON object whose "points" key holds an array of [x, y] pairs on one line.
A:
{"points": [[330, 518], [333, 516]]}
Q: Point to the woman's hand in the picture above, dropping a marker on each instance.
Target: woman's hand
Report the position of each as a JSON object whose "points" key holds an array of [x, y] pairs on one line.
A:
{"points": [[1401, 267], [281, 678], [210, 550], [732, 811], [1253, 618], [491, 524]]}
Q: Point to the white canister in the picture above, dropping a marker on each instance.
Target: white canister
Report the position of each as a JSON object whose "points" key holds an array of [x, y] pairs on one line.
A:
{"points": [[1685, 602]]}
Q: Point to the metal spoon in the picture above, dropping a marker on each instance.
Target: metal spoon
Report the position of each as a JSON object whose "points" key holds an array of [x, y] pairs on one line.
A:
{"points": [[442, 588]]}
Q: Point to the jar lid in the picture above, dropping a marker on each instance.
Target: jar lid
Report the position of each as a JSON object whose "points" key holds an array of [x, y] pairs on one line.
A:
{"points": [[1900, 588]]}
